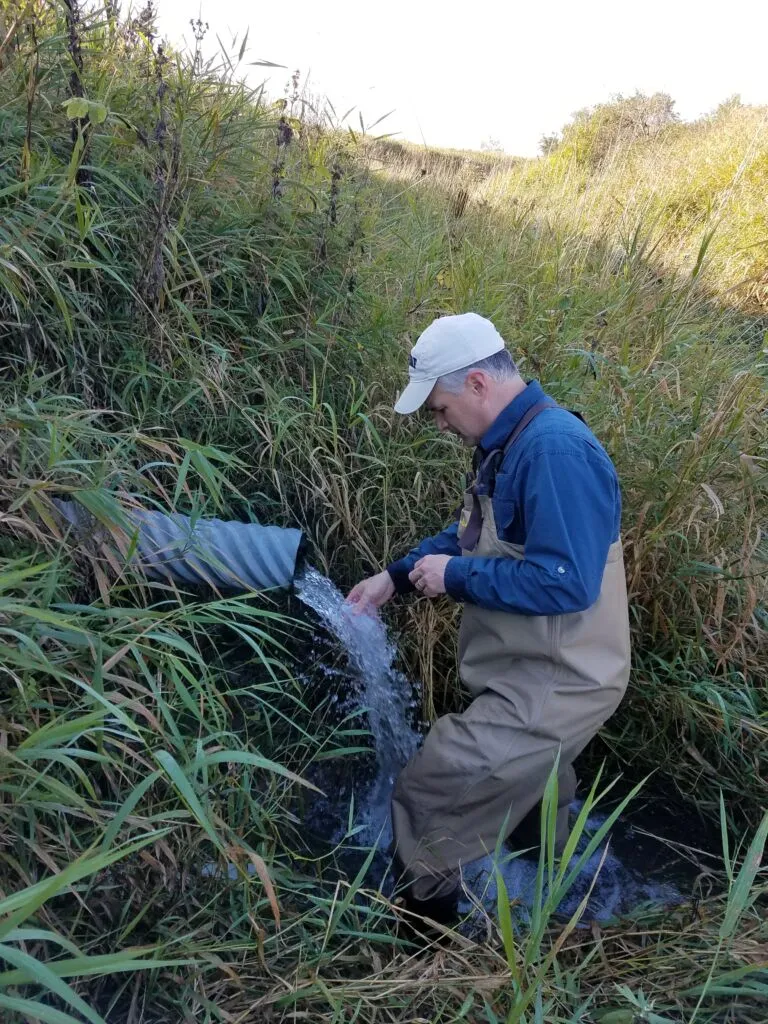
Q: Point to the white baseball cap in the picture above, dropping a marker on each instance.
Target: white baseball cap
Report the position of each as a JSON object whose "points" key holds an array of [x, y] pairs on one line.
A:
{"points": [[449, 343]]}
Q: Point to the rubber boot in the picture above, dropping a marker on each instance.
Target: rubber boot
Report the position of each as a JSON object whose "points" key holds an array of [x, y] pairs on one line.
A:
{"points": [[442, 908], [417, 925]]}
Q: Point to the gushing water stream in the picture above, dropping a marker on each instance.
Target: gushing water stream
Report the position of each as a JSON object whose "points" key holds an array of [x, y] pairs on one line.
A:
{"points": [[377, 686]]}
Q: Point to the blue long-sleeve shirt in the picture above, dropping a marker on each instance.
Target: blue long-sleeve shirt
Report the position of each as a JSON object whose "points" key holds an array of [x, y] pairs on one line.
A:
{"points": [[557, 494]]}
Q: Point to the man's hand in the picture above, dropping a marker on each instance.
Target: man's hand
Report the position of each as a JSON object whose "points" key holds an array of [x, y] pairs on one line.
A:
{"points": [[428, 575], [373, 592]]}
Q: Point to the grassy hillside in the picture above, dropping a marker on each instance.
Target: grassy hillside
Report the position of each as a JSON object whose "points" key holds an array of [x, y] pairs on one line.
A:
{"points": [[691, 194], [206, 300]]}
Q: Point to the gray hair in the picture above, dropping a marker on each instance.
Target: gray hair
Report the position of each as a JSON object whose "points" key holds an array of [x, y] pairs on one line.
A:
{"points": [[500, 366]]}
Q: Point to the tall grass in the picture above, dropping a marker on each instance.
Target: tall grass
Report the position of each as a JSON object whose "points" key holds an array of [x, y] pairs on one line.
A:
{"points": [[205, 303]]}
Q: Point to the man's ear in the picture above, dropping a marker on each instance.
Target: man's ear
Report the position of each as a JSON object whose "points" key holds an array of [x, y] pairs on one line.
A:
{"points": [[477, 382]]}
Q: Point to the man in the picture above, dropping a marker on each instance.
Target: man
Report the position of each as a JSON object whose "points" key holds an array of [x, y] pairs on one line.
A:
{"points": [[535, 558]]}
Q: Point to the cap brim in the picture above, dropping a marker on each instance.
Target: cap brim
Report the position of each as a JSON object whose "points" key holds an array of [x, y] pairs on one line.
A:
{"points": [[414, 396]]}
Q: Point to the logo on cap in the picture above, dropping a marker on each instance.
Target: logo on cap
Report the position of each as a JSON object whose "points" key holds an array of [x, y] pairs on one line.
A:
{"points": [[412, 361]]}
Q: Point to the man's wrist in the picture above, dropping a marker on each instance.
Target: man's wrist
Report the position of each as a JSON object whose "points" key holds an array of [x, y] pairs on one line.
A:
{"points": [[398, 573], [456, 576]]}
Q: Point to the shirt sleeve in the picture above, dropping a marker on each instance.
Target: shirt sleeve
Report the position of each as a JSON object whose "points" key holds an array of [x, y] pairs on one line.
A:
{"points": [[444, 543], [571, 506]]}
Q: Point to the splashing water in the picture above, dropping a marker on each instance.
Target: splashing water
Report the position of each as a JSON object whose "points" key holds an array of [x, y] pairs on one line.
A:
{"points": [[383, 691], [616, 887]]}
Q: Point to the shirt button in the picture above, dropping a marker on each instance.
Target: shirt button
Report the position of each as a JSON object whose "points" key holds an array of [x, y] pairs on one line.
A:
{"points": [[561, 569]]}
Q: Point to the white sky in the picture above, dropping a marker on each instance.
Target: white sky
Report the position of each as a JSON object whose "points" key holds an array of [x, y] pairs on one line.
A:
{"points": [[457, 74]]}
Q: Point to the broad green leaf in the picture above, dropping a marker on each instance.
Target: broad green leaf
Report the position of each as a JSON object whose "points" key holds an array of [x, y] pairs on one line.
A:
{"points": [[97, 112], [77, 106]]}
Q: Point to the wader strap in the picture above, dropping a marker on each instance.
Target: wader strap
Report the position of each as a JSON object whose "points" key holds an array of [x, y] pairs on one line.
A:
{"points": [[483, 482], [533, 412]]}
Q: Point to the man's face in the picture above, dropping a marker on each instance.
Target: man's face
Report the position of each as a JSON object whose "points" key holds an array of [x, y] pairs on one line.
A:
{"points": [[461, 414]]}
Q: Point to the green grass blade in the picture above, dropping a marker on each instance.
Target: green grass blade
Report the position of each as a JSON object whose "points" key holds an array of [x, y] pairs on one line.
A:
{"points": [[175, 773], [505, 923], [38, 973], [741, 895], [23, 904], [31, 1010]]}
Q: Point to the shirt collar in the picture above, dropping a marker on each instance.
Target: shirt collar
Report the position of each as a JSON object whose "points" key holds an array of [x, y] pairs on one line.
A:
{"points": [[510, 416]]}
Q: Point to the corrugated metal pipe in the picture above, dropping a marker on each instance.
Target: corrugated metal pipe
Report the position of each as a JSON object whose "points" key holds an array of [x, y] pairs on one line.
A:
{"points": [[226, 555]]}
